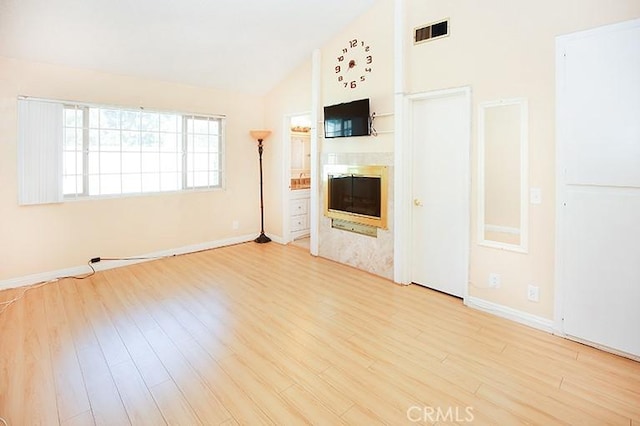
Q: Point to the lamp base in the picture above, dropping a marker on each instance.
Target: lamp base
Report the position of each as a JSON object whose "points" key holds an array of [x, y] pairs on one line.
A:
{"points": [[262, 238]]}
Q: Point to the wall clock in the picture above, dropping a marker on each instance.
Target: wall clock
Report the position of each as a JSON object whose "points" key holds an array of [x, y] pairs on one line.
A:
{"points": [[354, 64]]}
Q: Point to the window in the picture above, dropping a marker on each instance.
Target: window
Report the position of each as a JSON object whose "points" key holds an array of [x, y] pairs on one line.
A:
{"points": [[113, 151]]}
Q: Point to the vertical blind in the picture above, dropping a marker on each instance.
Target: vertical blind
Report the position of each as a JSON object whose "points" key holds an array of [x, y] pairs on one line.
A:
{"points": [[40, 133]]}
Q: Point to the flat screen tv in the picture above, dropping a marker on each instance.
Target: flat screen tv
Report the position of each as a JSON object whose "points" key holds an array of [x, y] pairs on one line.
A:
{"points": [[347, 119]]}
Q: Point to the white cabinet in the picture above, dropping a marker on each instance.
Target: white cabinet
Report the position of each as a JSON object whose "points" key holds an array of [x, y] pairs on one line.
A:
{"points": [[299, 208]]}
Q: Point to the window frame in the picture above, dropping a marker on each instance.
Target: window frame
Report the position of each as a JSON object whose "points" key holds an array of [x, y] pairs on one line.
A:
{"points": [[182, 147]]}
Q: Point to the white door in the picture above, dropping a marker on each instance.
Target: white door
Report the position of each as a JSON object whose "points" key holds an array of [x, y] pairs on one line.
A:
{"points": [[440, 142], [598, 98]]}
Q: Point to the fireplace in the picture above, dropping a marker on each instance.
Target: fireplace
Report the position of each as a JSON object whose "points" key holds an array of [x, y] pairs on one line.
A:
{"points": [[356, 194]]}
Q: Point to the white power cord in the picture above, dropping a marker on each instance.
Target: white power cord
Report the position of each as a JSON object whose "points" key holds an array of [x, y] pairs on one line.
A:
{"points": [[5, 305]]}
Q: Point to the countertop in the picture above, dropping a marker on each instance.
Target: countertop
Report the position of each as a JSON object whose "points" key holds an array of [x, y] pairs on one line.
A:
{"points": [[300, 183]]}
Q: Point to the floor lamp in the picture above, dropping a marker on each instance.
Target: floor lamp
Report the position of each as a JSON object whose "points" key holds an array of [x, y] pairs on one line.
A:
{"points": [[261, 135]]}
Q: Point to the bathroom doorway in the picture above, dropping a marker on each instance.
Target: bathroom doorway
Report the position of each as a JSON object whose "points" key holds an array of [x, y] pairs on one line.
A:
{"points": [[298, 140]]}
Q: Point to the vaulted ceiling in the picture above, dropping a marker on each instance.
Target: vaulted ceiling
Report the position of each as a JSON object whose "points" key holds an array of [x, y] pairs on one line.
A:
{"points": [[239, 45]]}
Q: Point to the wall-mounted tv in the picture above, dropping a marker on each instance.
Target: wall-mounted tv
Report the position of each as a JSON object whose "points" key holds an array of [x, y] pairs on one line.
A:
{"points": [[347, 119]]}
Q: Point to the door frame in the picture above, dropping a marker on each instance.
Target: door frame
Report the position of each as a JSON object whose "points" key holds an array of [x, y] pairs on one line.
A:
{"points": [[403, 202], [286, 173]]}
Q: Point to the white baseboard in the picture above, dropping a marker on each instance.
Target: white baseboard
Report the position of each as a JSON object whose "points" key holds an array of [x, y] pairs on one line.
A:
{"points": [[278, 239], [110, 264], [634, 357], [516, 315], [539, 323]]}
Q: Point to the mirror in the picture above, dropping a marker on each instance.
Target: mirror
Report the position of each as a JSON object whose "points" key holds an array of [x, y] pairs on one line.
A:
{"points": [[503, 171], [300, 132]]}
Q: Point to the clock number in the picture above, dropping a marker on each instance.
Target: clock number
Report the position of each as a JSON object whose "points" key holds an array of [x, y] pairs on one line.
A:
{"points": [[369, 59], [346, 84], [345, 50], [362, 78], [337, 69], [367, 69], [353, 43], [340, 58], [340, 78], [353, 84]]}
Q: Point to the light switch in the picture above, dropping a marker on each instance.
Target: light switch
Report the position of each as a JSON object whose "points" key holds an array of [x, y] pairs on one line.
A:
{"points": [[535, 196]]}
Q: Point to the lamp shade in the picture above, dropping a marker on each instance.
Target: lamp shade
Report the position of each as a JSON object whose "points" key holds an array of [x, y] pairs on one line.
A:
{"points": [[260, 134]]}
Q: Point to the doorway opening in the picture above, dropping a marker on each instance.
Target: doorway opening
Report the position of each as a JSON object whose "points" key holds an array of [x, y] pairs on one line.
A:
{"points": [[298, 141]]}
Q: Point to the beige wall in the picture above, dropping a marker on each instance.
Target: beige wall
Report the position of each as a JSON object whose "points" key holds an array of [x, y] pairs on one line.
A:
{"points": [[36, 239], [505, 49], [502, 49], [375, 28], [294, 96], [290, 97]]}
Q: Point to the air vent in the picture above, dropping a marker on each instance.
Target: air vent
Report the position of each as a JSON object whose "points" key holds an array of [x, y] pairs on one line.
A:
{"points": [[431, 32]]}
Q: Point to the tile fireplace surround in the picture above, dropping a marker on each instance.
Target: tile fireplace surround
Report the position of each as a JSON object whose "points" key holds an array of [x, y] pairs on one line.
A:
{"points": [[370, 254]]}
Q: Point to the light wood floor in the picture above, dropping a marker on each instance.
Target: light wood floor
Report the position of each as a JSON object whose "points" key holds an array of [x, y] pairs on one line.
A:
{"points": [[266, 334]]}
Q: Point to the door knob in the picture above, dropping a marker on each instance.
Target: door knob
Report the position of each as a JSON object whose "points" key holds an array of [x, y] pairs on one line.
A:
{"points": [[417, 202]]}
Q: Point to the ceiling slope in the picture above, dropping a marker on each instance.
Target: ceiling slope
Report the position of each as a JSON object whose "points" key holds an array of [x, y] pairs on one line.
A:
{"points": [[245, 46]]}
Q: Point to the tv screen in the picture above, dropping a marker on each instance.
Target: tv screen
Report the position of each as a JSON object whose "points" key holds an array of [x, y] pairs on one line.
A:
{"points": [[347, 119]]}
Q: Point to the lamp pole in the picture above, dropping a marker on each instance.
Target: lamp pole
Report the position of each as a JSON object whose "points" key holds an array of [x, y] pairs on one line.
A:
{"points": [[262, 238]]}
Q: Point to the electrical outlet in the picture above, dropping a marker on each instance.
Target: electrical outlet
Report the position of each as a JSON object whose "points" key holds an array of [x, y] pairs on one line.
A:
{"points": [[235, 224], [494, 280], [533, 293]]}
